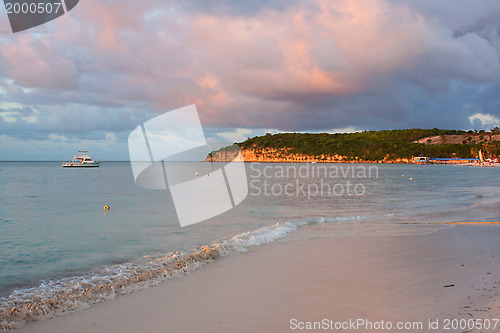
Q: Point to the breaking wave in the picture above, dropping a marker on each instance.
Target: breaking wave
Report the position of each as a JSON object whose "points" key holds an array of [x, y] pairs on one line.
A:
{"points": [[55, 297]]}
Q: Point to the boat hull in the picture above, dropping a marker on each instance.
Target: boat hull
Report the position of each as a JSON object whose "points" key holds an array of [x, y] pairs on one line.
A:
{"points": [[93, 165]]}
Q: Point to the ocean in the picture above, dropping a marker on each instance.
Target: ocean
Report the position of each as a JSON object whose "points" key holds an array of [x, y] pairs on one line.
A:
{"points": [[61, 251]]}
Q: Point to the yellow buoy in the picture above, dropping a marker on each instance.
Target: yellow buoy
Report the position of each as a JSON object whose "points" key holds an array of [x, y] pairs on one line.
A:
{"points": [[411, 178], [106, 207]]}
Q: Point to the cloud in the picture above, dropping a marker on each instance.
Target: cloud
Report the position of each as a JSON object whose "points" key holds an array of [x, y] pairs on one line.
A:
{"points": [[17, 112], [290, 65], [39, 149], [9, 117], [110, 137], [236, 8], [36, 63], [55, 137], [344, 130], [239, 134], [486, 120]]}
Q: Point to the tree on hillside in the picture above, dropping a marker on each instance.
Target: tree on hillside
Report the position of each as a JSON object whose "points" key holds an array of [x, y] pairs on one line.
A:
{"points": [[367, 145], [491, 148]]}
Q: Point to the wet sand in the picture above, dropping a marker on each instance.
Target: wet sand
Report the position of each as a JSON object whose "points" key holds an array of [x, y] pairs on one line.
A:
{"points": [[450, 274]]}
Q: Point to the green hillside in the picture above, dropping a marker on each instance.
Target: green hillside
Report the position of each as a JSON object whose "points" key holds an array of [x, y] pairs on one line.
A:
{"points": [[373, 145]]}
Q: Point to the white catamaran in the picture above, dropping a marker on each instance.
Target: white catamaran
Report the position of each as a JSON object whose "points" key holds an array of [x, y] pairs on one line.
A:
{"points": [[82, 160]]}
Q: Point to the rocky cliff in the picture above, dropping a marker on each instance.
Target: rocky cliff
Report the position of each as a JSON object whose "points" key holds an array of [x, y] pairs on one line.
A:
{"points": [[284, 156]]}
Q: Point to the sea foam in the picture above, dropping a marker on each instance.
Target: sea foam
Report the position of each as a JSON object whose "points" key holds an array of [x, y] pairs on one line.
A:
{"points": [[55, 297]]}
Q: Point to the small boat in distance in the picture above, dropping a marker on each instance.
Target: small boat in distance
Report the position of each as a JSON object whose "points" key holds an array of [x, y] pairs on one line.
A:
{"points": [[82, 160]]}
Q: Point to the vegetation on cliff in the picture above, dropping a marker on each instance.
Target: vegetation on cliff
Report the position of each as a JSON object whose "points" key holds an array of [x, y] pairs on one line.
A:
{"points": [[377, 145]]}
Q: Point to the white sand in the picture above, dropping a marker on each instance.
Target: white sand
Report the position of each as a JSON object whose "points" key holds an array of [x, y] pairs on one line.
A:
{"points": [[390, 278]]}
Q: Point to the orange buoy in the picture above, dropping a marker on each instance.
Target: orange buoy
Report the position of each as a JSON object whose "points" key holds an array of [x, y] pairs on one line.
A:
{"points": [[106, 207]]}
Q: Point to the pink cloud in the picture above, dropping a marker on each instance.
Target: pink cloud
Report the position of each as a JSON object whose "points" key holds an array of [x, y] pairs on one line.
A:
{"points": [[36, 63], [268, 68]]}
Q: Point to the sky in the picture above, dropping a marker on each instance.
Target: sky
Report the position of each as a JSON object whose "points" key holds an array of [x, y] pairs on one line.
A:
{"points": [[88, 78]]}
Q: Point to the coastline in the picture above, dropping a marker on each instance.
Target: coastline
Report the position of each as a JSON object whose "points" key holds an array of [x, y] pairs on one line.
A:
{"points": [[389, 146], [275, 156], [390, 278]]}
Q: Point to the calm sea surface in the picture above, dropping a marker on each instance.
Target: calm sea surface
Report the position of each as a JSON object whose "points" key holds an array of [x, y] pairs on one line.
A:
{"points": [[53, 225]]}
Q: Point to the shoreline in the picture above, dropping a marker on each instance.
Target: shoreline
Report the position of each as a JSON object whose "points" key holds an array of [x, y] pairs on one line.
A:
{"points": [[390, 278], [311, 160], [80, 292]]}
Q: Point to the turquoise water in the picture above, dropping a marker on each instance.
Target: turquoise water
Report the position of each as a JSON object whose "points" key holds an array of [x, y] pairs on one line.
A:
{"points": [[53, 226]]}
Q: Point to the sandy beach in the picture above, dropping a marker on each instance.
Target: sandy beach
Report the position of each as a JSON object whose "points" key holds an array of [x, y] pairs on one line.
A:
{"points": [[449, 274]]}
